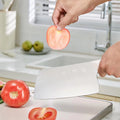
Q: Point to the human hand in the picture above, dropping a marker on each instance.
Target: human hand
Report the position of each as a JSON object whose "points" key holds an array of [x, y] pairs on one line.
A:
{"points": [[68, 11], [110, 62]]}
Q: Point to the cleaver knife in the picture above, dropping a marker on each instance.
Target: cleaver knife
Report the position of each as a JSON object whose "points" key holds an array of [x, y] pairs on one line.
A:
{"points": [[67, 81]]}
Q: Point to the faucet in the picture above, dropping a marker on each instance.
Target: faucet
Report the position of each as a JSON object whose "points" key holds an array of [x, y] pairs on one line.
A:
{"points": [[103, 47]]}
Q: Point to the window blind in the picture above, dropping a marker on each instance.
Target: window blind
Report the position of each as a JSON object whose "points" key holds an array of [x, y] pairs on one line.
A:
{"points": [[44, 10]]}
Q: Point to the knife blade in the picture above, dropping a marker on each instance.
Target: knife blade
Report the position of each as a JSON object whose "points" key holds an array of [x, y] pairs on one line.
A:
{"points": [[67, 81]]}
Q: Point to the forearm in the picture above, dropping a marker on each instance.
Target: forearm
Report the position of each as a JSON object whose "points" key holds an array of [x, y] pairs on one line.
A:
{"points": [[68, 11], [97, 2]]}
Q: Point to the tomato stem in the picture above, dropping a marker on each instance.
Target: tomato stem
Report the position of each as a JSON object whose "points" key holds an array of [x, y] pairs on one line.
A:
{"points": [[14, 94]]}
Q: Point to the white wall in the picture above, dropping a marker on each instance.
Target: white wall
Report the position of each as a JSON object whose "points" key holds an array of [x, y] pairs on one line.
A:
{"points": [[82, 40]]}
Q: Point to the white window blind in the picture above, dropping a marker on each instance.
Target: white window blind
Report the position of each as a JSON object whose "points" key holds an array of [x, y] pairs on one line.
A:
{"points": [[44, 10]]}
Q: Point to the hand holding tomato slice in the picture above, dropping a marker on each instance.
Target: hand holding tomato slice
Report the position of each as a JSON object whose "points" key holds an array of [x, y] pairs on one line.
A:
{"points": [[42, 114], [57, 40], [15, 93]]}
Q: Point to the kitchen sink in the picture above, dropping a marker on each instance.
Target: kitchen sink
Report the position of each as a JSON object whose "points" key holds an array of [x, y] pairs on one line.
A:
{"points": [[60, 60]]}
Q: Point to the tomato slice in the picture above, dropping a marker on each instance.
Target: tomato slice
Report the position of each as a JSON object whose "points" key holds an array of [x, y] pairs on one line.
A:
{"points": [[42, 114], [57, 40], [15, 93]]}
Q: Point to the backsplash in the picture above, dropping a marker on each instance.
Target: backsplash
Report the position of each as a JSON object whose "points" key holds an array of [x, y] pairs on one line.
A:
{"points": [[82, 40]]}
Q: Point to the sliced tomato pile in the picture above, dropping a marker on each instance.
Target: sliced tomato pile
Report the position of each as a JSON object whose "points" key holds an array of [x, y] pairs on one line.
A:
{"points": [[42, 114], [57, 40], [15, 93]]}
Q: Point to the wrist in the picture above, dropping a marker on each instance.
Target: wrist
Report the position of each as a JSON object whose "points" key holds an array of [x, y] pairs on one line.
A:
{"points": [[98, 2]]}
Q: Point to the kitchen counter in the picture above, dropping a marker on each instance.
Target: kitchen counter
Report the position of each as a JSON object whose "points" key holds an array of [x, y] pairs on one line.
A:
{"points": [[15, 68], [98, 96], [115, 114], [61, 105]]}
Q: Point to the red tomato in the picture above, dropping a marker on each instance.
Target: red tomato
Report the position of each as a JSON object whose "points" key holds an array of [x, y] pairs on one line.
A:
{"points": [[57, 39], [15, 93], [42, 114]]}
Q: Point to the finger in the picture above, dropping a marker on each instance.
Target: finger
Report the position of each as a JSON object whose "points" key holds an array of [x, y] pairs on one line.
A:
{"points": [[116, 73], [75, 19], [61, 16], [56, 14], [102, 70], [66, 20], [109, 69]]}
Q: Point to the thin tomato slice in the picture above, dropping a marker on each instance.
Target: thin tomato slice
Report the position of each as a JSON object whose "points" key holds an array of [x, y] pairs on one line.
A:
{"points": [[57, 40], [42, 114]]}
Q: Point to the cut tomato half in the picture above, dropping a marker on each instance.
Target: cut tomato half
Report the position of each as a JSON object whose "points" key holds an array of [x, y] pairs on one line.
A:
{"points": [[42, 114], [57, 40]]}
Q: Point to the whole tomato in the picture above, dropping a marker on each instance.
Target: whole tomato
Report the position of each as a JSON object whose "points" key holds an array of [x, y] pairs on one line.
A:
{"points": [[15, 93]]}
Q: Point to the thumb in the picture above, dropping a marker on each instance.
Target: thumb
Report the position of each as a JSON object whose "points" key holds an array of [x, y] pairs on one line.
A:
{"points": [[64, 21]]}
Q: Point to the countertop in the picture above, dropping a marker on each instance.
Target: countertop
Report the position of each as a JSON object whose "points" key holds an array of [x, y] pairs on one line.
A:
{"points": [[15, 68], [60, 106], [114, 115]]}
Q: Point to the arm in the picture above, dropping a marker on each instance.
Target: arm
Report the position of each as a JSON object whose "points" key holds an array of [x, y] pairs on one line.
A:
{"points": [[68, 11]]}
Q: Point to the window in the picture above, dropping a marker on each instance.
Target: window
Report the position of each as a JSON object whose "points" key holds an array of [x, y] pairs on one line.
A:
{"points": [[44, 10], [41, 12]]}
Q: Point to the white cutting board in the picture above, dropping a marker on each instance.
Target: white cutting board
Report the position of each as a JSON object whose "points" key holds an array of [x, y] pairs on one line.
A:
{"points": [[78, 108]]}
